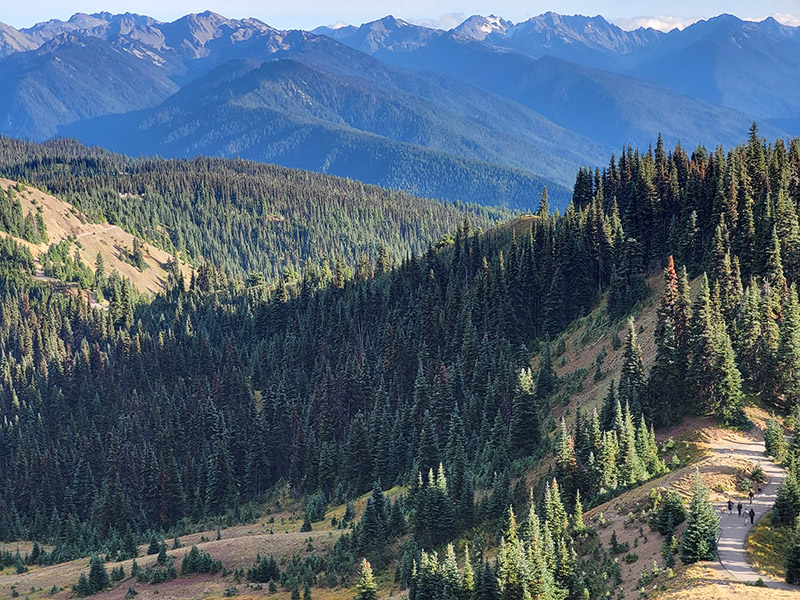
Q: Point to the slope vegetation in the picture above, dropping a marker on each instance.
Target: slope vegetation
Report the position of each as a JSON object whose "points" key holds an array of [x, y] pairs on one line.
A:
{"points": [[239, 215], [64, 222]]}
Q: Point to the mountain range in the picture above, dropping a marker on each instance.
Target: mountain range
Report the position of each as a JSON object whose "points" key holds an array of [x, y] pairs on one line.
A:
{"points": [[490, 111]]}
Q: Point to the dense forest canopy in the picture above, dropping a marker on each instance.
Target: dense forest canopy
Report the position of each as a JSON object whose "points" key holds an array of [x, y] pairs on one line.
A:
{"points": [[155, 415], [238, 215]]}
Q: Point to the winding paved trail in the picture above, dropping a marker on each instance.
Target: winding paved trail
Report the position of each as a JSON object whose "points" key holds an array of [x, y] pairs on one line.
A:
{"points": [[733, 529]]}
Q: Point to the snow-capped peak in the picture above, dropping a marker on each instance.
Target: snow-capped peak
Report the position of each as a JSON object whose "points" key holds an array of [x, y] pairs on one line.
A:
{"points": [[478, 27]]}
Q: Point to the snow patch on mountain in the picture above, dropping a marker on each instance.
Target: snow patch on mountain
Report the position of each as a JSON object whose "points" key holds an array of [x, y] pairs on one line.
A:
{"points": [[478, 27]]}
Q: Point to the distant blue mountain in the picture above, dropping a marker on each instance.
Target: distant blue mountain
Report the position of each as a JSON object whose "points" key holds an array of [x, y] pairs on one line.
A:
{"points": [[401, 130], [611, 108], [752, 67]]}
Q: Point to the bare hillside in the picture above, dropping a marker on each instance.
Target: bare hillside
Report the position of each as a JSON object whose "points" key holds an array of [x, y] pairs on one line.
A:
{"points": [[63, 220]]}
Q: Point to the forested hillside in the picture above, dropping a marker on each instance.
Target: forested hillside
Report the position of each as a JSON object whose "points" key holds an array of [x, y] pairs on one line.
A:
{"points": [[240, 216], [437, 375]]}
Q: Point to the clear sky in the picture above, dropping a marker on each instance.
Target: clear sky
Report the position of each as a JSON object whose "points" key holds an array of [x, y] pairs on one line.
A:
{"points": [[306, 14]]}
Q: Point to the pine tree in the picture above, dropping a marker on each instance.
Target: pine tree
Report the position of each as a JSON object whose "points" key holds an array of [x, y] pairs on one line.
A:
{"points": [[792, 561], [727, 399], [787, 502], [371, 533], [701, 368], [546, 378], [99, 275], [219, 479], [699, 541], [578, 526], [469, 575], [82, 588], [98, 576], [137, 255], [632, 383], [774, 444], [555, 515], [713, 371], [428, 456], [543, 209], [788, 357], [525, 422], [566, 464], [486, 588], [665, 386], [155, 546], [367, 589], [608, 412], [773, 266]]}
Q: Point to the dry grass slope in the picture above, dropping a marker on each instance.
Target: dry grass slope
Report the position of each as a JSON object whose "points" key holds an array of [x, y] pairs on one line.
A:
{"points": [[766, 548], [277, 533], [63, 220]]}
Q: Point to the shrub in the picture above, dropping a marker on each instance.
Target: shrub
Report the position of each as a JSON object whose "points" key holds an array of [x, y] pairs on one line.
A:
{"points": [[616, 547], [670, 514], [630, 557], [197, 561], [315, 507], [154, 546], [264, 570], [757, 474]]}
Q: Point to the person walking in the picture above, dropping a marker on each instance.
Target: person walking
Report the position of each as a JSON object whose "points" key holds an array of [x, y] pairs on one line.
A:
{"points": [[751, 495], [752, 516], [730, 506], [739, 508]]}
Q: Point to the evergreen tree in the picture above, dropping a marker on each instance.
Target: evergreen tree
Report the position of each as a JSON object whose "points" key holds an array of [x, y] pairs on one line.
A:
{"points": [[699, 540], [98, 576], [578, 526], [544, 206], [546, 378], [525, 422], [788, 357], [792, 560], [565, 461], [632, 382], [366, 587], [701, 341], [155, 546], [372, 533], [728, 403], [428, 456], [666, 390], [486, 588], [82, 588], [787, 502], [774, 445]]}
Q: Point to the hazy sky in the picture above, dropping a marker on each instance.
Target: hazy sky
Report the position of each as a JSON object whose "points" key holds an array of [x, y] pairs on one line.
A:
{"points": [[307, 14]]}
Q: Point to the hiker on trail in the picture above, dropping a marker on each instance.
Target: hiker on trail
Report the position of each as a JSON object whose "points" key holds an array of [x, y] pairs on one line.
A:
{"points": [[751, 495], [752, 516], [730, 506], [739, 508]]}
